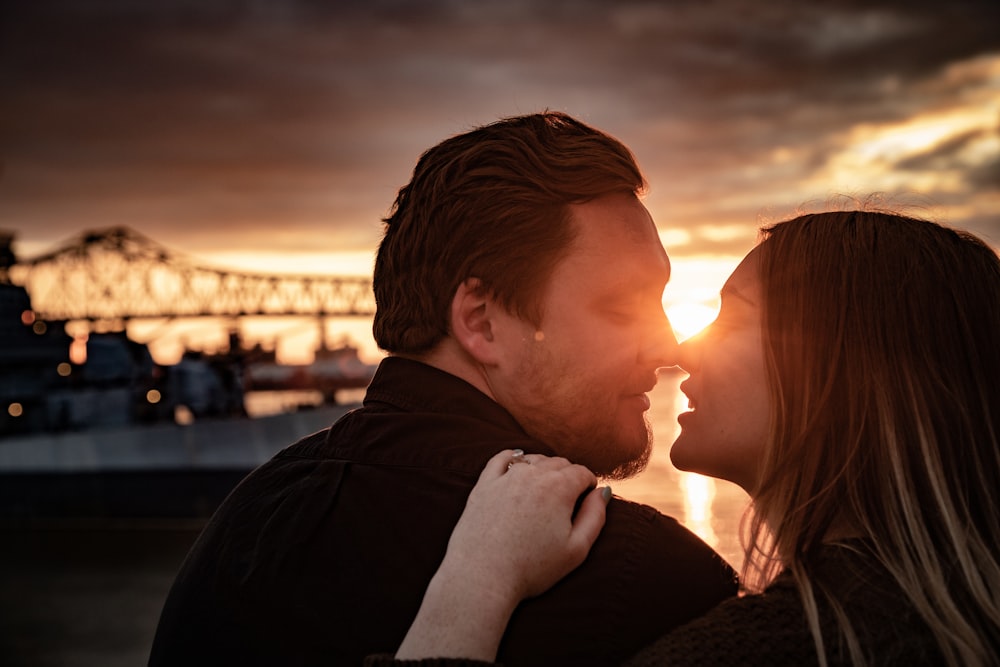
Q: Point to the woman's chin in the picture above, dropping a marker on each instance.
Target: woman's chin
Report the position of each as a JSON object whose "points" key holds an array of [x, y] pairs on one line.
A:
{"points": [[683, 456]]}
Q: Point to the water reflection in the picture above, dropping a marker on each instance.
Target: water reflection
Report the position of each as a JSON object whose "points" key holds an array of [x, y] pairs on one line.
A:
{"points": [[710, 508], [699, 492]]}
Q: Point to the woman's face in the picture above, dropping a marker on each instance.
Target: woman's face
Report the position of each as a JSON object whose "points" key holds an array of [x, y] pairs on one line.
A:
{"points": [[724, 432]]}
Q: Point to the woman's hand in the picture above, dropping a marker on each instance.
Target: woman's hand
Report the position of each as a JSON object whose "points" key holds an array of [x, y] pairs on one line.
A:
{"points": [[517, 535], [516, 538]]}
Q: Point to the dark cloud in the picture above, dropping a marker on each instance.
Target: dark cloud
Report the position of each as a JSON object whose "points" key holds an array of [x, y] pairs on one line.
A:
{"points": [[198, 119], [986, 176]]}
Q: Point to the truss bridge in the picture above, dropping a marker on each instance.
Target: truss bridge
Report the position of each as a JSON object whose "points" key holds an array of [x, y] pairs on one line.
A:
{"points": [[116, 275]]}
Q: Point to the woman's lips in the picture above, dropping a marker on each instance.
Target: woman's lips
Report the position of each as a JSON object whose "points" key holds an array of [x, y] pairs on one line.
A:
{"points": [[686, 416]]}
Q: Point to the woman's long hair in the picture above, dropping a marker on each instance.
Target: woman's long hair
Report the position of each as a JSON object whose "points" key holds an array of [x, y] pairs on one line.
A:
{"points": [[882, 347]]}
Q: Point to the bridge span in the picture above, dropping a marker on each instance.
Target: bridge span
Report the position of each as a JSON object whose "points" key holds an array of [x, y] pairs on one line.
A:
{"points": [[112, 276]]}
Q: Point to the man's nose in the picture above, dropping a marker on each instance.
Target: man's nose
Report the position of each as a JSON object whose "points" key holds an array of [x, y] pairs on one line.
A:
{"points": [[660, 347]]}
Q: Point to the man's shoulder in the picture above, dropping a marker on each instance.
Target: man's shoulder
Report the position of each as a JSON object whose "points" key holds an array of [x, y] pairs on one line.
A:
{"points": [[654, 552], [650, 533], [645, 575], [430, 439]]}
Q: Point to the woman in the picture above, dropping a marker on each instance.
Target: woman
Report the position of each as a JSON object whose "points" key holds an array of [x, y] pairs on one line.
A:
{"points": [[851, 385]]}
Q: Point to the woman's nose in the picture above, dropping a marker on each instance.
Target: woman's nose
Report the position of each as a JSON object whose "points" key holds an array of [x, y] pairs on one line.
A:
{"points": [[689, 352]]}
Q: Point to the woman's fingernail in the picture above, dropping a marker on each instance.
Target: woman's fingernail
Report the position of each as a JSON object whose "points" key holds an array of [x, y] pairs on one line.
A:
{"points": [[606, 494]]}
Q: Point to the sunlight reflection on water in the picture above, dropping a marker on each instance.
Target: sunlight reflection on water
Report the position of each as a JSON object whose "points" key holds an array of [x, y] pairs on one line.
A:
{"points": [[708, 507]]}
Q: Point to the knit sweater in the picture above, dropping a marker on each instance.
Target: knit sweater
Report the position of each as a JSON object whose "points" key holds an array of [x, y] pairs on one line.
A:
{"points": [[771, 629]]}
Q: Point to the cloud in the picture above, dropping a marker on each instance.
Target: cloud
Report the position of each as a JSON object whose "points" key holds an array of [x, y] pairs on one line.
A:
{"points": [[943, 151], [214, 124]]}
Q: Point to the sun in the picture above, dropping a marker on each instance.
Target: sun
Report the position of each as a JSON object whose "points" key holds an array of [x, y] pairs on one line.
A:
{"points": [[687, 319]]}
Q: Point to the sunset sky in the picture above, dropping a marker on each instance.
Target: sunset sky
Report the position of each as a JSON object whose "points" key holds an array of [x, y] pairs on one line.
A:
{"points": [[272, 136]]}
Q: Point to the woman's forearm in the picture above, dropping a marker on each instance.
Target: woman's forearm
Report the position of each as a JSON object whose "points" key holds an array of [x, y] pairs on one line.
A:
{"points": [[458, 618], [517, 536]]}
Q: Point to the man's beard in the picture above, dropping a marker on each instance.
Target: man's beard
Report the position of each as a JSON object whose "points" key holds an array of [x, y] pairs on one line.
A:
{"points": [[627, 469], [598, 450]]}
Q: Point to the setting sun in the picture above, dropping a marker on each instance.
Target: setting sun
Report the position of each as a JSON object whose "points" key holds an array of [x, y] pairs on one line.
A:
{"points": [[691, 299], [687, 319]]}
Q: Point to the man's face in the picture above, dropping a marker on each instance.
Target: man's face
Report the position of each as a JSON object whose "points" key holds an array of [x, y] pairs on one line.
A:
{"points": [[579, 380]]}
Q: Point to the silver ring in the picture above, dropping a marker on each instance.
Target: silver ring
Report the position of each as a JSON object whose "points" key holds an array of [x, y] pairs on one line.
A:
{"points": [[517, 457]]}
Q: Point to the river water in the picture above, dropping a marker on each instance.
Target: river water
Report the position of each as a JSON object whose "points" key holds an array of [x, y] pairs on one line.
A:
{"points": [[709, 507], [90, 594]]}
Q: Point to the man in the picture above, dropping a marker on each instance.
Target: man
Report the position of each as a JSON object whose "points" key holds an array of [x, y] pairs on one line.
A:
{"points": [[518, 290]]}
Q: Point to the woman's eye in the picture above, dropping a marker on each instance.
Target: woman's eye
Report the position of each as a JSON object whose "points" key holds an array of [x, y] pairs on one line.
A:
{"points": [[724, 323]]}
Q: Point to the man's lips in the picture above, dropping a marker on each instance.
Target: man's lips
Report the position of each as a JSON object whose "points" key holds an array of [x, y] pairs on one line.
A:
{"points": [[640, 398]]}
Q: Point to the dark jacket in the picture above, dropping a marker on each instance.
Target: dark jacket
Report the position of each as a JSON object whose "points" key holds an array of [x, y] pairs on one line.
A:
{"points": [[770, 629], [321, 556]]}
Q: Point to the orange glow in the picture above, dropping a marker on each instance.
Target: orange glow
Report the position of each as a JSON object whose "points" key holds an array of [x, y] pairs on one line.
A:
{"points": [[699, 492], [872, 151], [358, 263], [183, 415], [64, 369], [295, 339], [153, 396], [691, 299], [15, 410], [687, 319], [78, 349], [27, 318]]}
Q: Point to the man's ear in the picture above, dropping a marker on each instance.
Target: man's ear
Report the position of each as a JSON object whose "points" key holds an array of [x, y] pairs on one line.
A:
{"points": [[472, 325]]}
